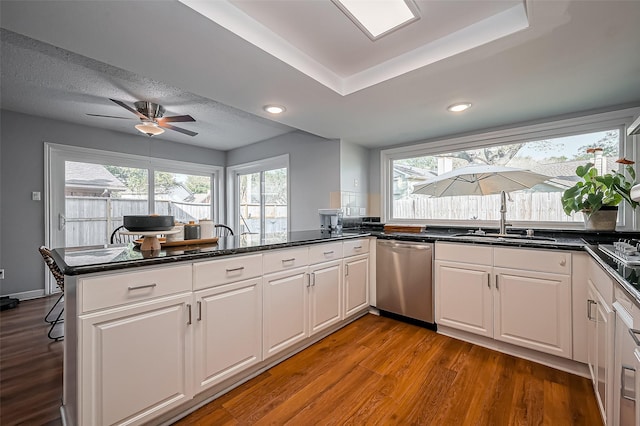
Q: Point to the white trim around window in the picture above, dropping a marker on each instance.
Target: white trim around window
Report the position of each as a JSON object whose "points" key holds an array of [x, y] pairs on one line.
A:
{"points": [[552, 129], [279, 162]]}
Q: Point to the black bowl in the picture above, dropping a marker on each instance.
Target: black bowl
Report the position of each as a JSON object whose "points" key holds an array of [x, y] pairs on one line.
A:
{"points": [[147, 223]]}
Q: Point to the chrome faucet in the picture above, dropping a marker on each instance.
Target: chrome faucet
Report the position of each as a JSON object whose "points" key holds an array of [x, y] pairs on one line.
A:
{"points": [[503, 214]]}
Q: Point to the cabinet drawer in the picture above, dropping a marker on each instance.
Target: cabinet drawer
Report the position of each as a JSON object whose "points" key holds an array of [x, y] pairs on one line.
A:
{"points": [[281, 260], [325, 252], [355, 247], [227, 270], [467, 253], [119, 289], [556, 262]]}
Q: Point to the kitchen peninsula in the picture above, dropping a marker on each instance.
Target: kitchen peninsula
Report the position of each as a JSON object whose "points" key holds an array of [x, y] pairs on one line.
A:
{"points": [[192, 322]]}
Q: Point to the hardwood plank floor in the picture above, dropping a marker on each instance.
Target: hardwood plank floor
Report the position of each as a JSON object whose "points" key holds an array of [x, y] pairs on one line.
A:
{"points": [[30, 366], [376, 371]]}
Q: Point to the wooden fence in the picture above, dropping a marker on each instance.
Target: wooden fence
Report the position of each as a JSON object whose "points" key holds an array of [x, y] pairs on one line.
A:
{"points": [[91, 220], [525, 206]]}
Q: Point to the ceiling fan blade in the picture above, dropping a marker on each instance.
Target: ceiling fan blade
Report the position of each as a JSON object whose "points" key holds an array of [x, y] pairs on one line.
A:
{"points": [[176, 118], [128, 108], [109, 116], [177, 129]]}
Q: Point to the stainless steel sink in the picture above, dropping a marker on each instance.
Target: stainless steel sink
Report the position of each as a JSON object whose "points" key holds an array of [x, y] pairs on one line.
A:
{"points": [[504, 237]]}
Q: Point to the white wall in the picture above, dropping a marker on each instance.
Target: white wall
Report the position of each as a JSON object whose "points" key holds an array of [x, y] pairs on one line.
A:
{"points": [[354, 178], [22, 139], [314, 172]]}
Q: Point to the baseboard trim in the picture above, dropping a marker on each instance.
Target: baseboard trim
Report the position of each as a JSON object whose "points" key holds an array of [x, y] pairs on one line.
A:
{"points": [[26, 295], [559, 363]]}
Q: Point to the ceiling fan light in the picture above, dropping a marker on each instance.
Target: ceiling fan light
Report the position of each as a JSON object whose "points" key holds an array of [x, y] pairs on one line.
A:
{"points": [[149, 128], [459, 107]]}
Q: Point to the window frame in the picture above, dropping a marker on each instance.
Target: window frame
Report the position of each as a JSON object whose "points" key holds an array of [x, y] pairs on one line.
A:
{"points": [[528, 133], [58, 152], [258, 166]]}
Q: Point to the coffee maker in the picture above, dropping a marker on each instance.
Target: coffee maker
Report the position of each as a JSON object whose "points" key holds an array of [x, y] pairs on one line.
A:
{"points": [[330, 220]]}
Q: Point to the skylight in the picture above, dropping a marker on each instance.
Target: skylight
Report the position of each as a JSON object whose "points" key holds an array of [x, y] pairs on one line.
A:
{"points": [[377, 18]]}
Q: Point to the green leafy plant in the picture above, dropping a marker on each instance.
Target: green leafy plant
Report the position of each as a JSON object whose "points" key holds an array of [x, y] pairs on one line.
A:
{"points": [[595, 191]]}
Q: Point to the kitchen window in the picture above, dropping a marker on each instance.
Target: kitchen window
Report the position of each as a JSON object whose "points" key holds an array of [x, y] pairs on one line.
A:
{"points": [[554, 151], [90, 191], [259, 196]]}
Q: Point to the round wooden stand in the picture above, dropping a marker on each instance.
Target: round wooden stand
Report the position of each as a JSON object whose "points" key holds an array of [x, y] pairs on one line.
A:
{"points": [[150, 240]]}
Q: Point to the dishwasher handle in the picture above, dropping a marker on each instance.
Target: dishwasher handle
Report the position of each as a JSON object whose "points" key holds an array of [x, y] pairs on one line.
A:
{"points": [[402, 244]]}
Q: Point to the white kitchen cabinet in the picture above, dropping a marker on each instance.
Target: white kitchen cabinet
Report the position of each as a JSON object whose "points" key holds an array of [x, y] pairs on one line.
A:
{"points": [[464, 297], [625, 370], [136, 361], [533, 309], [325, 295], [356, 284], [227, 330], [286, 312], [527, 305], [600, 346]]}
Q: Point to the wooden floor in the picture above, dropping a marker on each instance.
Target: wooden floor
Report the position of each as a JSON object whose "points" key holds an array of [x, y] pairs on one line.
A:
{"points": [[378, 371], [374, 371], [30, 366]]}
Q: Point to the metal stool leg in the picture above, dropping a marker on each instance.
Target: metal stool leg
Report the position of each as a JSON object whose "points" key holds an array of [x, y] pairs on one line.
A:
{"points": [[58, 320], [46, 317]]}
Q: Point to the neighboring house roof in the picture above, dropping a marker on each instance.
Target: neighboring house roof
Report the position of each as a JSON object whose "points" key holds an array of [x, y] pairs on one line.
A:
{"points": [[88, 175]]}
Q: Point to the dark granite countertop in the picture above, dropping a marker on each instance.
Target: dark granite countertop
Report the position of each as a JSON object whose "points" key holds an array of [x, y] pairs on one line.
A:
{"points": [[85, 260]]}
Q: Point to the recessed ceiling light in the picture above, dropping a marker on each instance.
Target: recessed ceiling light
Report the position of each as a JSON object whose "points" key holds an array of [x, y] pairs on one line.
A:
{"points": [[274, 109], [378, 18], [459, 107]]}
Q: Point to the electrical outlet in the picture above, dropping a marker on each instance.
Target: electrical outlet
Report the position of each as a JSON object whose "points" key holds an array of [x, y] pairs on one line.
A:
{"points": [[35, 196], [2, 274]]}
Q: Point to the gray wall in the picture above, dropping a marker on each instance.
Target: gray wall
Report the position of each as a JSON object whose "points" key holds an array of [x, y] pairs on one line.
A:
{"points": [[22, 140], [354, 165], [314, 167]]}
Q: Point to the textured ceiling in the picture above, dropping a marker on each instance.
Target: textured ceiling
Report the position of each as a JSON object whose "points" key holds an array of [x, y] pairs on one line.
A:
{"points": [[574, 56]]}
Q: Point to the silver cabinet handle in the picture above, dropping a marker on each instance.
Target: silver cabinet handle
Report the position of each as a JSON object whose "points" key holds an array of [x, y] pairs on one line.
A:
{"points": [[357, 247], [189, 313], [630, 396], [313, 274], [497, 286], [634, 333], [288, 260], [589, 303], [308, 279], [199, 310], [488, 280], [140, 287], [346, 270], [326, 253], [235, 269]]}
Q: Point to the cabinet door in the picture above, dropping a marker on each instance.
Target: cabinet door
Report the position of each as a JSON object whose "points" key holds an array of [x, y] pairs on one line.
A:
{"points": [[228, 330], [605, 319], [592, 332], [325, 295], [356, 284], [463, 297], [533, 310], [136, 361], [286, 313]]}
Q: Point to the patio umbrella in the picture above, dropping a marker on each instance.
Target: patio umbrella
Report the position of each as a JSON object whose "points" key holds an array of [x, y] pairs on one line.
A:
{"points": [[480, 180]]}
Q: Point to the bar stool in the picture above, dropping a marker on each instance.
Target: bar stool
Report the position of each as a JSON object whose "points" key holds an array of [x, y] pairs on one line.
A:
{"points": [[59, 276]]}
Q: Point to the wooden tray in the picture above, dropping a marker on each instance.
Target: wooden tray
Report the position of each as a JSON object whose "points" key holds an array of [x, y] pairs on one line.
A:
{"points": [[165, 243]]}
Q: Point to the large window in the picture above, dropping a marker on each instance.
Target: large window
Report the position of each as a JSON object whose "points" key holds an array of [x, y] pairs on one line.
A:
{"points": [[556, 154], [91, 191], [259, 195]]}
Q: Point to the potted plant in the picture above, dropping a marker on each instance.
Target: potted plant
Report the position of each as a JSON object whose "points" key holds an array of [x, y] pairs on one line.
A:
{"points": [[598, 196]]}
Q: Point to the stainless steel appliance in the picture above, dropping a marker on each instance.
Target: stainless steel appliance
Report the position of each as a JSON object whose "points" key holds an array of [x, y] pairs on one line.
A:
{"points": [[404, 283], [330, 219]]}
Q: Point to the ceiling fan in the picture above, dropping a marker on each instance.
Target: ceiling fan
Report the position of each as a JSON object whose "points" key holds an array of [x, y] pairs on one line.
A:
{"points": [[151, 116]]}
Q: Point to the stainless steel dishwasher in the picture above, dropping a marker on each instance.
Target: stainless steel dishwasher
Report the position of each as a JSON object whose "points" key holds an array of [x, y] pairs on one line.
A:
{"points": [[404, 283]]}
